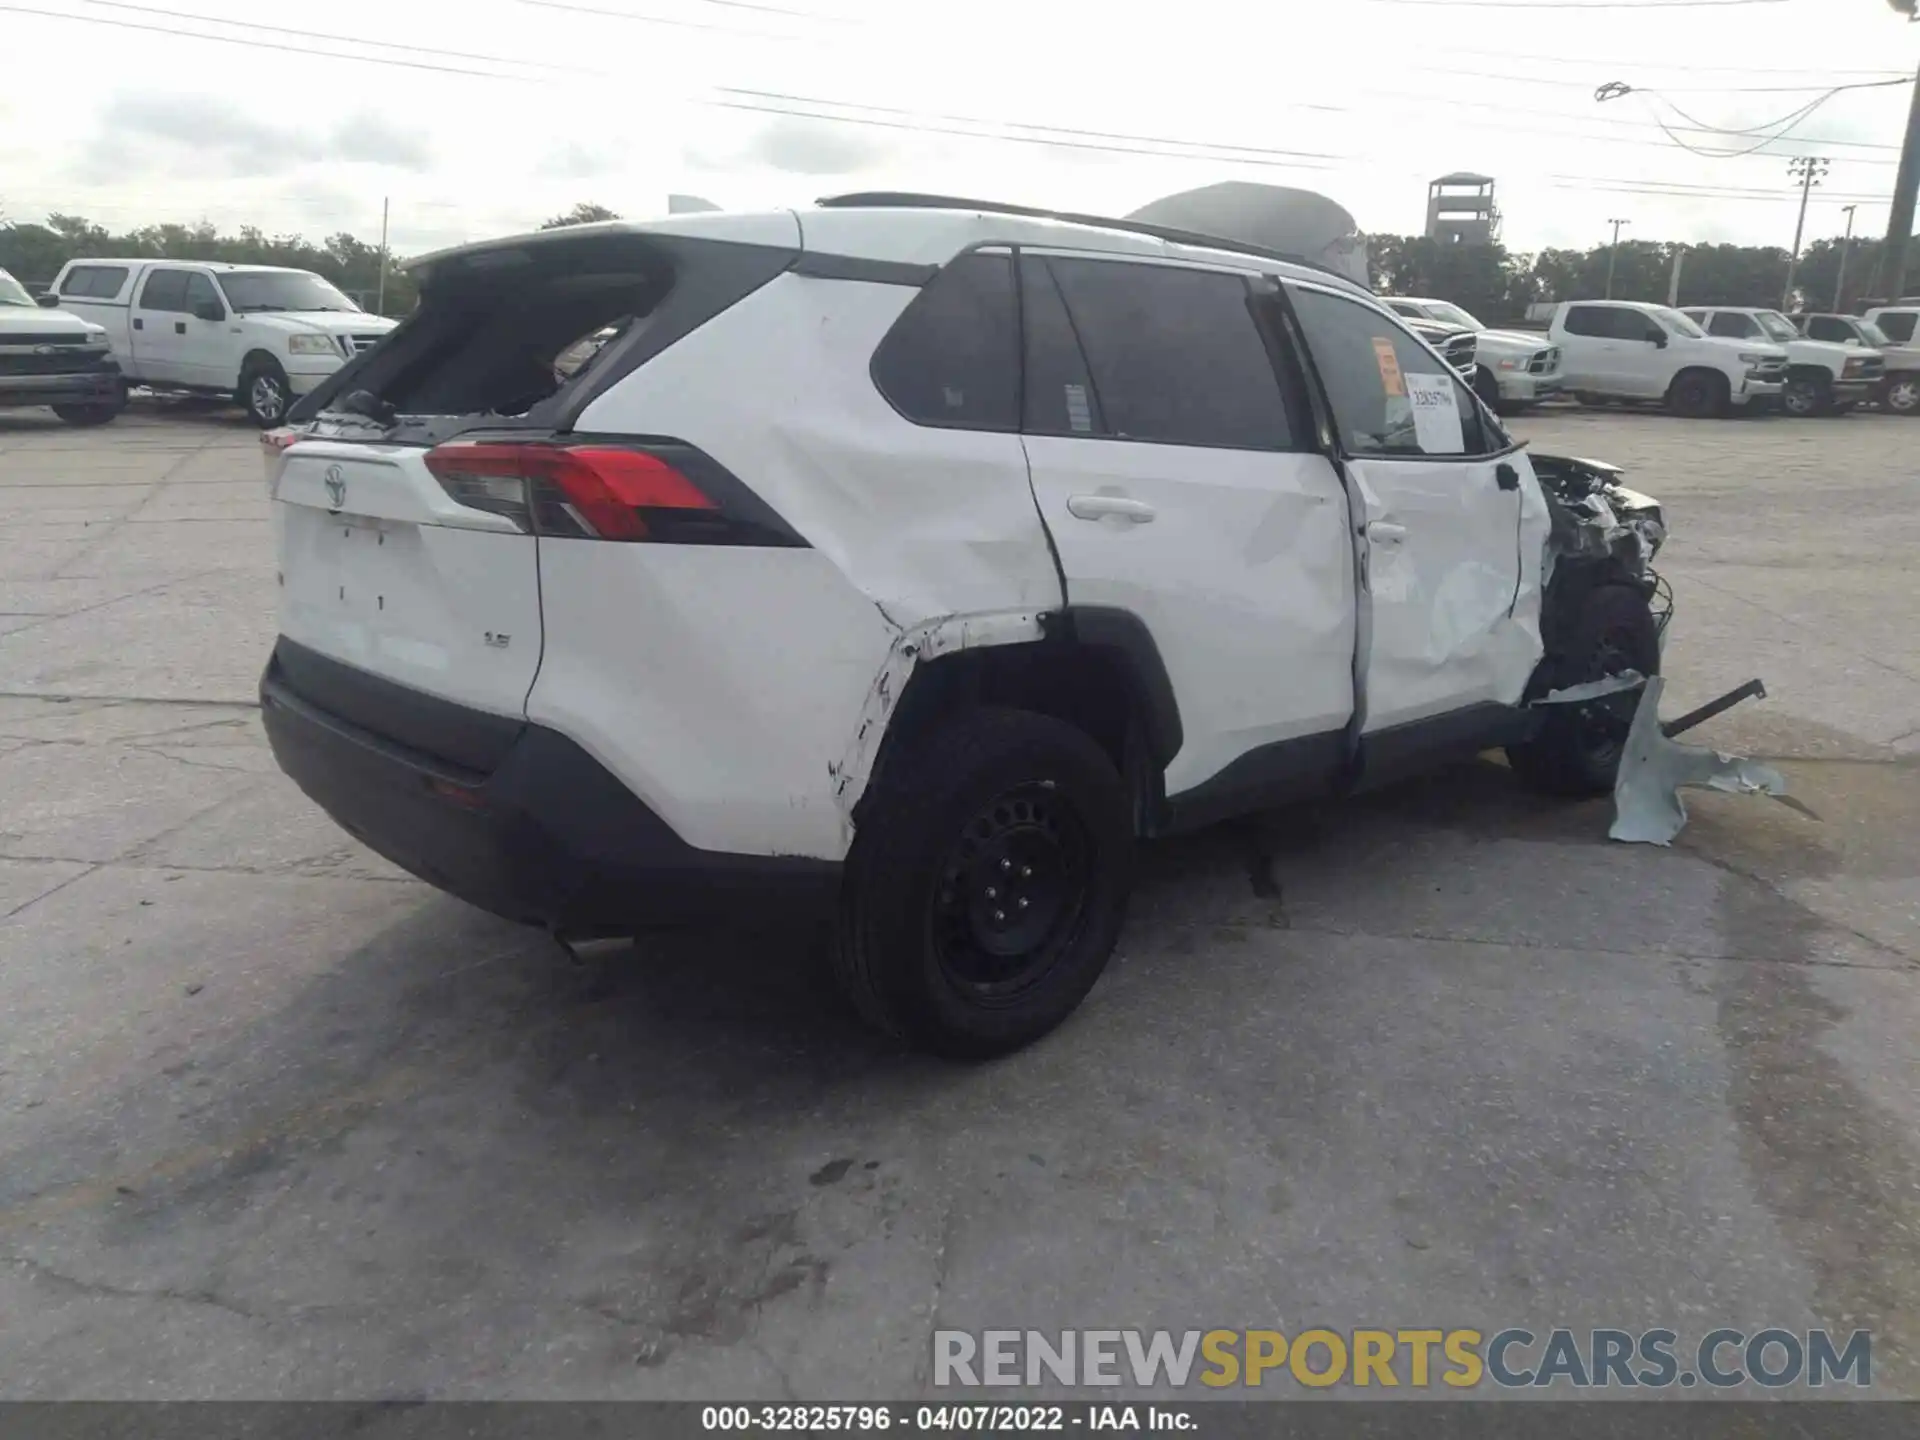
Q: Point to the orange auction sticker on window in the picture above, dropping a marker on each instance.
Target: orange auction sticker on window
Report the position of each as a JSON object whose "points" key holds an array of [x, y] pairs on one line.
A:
{"points": [[1389, 365]]}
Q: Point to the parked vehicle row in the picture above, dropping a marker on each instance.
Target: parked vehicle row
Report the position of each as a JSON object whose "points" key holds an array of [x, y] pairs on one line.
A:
{"points": [[1701, 360], [905, 561], [260, 335]]}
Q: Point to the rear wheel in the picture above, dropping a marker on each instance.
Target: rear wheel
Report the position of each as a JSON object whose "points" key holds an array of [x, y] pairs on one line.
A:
{"points": [[264, 392], [1577, 750], [1698, 394], [987, 884]]}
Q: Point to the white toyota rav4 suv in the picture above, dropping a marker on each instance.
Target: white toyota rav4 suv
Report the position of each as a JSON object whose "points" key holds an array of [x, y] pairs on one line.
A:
{"points": [[904, 561]]}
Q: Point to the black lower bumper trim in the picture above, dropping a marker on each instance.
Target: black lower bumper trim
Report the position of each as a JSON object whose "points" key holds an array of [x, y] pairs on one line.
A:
{"points": [[549, 837]]}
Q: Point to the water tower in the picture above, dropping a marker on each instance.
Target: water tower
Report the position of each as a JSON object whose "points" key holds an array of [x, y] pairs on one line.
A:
{"points": [[1460, 210]]}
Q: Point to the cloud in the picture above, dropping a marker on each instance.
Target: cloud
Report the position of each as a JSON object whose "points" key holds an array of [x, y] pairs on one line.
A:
{"points": [[577, 162], [141, 135], [373, 141], [812, 147]]}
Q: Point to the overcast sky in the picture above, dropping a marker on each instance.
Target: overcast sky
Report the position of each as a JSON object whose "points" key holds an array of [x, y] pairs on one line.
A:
{"points": [[624, 102]]}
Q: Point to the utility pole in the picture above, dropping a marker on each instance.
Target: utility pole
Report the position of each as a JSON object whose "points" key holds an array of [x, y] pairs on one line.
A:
{"points": [[1846, 248], [1808, 170], [380, 304], [1673, 282], [1893, 256], [1613, 252]]}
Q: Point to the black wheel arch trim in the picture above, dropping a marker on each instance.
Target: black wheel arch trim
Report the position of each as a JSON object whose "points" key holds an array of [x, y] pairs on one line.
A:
{"points": [[1125, 636]]}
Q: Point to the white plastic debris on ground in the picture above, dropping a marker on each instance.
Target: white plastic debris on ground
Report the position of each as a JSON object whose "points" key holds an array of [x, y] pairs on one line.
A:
{"points": [[1653, 770]]}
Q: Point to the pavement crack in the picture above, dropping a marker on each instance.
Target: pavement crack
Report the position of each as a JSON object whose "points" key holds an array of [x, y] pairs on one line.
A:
{"points": [[26, 905], [96, 1289]]}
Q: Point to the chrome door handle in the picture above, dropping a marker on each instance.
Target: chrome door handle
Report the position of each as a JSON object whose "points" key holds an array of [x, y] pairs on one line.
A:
{"points": [[1382, 532], [1099, 507]]}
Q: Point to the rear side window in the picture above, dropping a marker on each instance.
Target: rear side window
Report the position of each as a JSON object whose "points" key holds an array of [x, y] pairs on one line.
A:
{"points": [[95, 282], [164, 290], [1175, 354], [953, 356], [1898, 325], [1376, 375]]}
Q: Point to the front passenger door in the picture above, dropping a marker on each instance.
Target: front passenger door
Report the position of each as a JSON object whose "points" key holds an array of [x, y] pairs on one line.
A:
{"points": [[1454, 522], [208, 353]]}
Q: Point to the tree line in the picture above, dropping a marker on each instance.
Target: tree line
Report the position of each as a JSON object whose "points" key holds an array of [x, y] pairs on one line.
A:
{"points": [[1494, 283]]}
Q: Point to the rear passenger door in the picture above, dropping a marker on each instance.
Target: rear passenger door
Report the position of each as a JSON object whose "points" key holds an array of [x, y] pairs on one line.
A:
{"points": [[1455, 528], [1175, 466]]}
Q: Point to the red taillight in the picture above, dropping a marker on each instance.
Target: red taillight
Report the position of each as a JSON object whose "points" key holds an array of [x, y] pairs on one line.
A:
{"points": [[584, 491]]}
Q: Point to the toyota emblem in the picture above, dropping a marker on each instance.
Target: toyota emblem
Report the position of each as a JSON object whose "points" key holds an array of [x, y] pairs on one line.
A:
{"points": [[336, 487]]}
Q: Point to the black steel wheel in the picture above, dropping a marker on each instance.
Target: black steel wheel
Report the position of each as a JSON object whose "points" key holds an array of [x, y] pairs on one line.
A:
{"points": [[987, 883]]}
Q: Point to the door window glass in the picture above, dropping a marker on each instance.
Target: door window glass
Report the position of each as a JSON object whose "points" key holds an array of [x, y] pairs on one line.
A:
{"points": [[164, 290], [1060, 398], [1175, 353], [1389, 393], [1732, 326], [200, 292], [1898, 325]]}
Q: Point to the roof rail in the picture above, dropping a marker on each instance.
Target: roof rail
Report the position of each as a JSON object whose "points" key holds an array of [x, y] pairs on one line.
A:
{"points": [[908, 199]]}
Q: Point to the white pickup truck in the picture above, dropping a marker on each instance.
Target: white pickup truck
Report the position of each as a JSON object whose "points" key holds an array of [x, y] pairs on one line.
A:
{"points": [[1824, 377], [259, 334], [1630, 350], [1513, 368]]}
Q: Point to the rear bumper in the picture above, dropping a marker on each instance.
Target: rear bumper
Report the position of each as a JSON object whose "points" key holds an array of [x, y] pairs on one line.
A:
{"points": [[546, 836]]}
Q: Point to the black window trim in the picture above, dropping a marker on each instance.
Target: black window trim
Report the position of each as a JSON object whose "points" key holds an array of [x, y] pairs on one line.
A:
{"points": [[1489, 425], [1295, 401]]}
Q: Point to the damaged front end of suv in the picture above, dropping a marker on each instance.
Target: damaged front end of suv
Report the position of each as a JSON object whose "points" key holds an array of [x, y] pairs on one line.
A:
{"points": [[1603, 618]]}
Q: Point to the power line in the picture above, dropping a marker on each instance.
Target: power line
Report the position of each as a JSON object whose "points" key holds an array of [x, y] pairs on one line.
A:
{"points": [[1576, 4], [333, 38], [1573, 4], [249, 43]]}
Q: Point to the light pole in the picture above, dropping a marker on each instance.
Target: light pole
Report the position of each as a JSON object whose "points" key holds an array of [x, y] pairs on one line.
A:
{"points": [[1613, 252], [1846, 248], [1808, 170]]}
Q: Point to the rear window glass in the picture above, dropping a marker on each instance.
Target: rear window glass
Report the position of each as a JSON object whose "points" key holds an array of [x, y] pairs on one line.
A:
{"points": [[164, 290], [96, 282], [501, 338], [953, 357]]}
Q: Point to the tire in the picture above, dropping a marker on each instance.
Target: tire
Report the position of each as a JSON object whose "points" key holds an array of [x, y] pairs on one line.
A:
{"points": [[1588, 398], [1698, 394], [1576, 752], [88, 414], [1487, 388], [1902, 395], [264, 393], [921, 949], [1807, 396]]}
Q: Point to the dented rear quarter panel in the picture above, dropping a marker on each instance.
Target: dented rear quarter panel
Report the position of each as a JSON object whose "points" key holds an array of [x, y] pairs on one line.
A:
{"points": [[922, 540]]}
